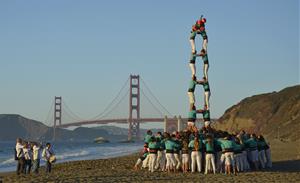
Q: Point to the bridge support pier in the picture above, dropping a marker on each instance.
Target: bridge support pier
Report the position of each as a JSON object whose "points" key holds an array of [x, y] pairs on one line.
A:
{"points": [[134, 108], [179, 123], [57, 114]]}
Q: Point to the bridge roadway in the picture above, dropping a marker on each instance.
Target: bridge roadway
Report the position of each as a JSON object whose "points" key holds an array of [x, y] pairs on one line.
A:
{"points": [[122, 121]]}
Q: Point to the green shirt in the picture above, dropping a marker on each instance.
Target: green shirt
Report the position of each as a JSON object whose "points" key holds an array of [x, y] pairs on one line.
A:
{"points": [[237, 148], [261, 145], [205, 58], [226, 144], [193, 57], [147, 138], [205, 86], [209, 147], [206, 115], [170, 145], [251, 144], [192, 86], [192, 114], [153, 145]]}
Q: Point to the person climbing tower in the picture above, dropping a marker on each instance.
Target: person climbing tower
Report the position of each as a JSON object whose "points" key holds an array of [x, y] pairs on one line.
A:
{"points": [[206, 116], [204, 56], [199, 28], [192, 118], [193, 62], [206, 88], [191, 90]]}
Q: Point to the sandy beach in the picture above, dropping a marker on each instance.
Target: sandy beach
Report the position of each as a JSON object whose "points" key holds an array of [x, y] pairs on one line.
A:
{"points": [[286, 169]]}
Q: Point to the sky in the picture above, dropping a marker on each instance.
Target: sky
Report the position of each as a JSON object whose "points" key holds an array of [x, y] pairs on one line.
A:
{"points": [[84, 51]]}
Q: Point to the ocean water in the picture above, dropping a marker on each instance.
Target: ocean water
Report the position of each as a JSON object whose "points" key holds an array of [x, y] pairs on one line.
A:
{"points": [[71, 151]]}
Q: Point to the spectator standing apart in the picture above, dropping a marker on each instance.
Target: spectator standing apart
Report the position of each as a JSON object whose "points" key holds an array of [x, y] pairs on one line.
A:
{"points": [[19, 156]]}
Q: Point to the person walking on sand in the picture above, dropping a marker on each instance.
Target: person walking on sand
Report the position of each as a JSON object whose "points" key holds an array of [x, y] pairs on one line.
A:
{"points": [[47, 154], [195, 146], [36, 158], [19, 156]]}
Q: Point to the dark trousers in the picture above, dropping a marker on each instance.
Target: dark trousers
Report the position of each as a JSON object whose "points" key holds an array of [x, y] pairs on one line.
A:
{"points": [[48, 167], [28, 165], [20, 166], [36, 165]]}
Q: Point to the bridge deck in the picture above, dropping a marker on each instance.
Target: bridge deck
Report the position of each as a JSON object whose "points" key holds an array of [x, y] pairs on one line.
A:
{"points": [[122, 121]]}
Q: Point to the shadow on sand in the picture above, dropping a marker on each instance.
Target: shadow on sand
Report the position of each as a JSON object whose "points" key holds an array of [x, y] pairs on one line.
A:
{"points": [[286, 166]]}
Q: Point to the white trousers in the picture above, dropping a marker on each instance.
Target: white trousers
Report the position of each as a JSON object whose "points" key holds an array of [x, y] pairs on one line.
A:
{"points": [[185, 158], [177, 161], [268, 158], [229, 159], [146, 162], [160, 161], [210, 160], [196, 161], [152, 162], [170, 160], [206, 99]]}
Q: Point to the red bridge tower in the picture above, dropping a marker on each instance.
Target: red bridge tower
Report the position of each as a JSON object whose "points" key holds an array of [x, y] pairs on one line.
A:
{"points": [[134, 108]]}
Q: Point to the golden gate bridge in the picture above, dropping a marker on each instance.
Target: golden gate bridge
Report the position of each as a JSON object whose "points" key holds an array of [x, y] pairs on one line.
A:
{"points": [[134, 118]]}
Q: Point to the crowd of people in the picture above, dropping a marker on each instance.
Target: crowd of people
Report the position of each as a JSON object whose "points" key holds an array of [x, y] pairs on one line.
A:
{"points": [[28, 156], [207, 151]]}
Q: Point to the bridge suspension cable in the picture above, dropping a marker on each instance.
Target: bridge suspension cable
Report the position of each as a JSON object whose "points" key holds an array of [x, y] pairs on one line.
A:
{"points": [[69, 112], [151, 93], [47, 122], [115, 106], [151, 103], [112, 102]]}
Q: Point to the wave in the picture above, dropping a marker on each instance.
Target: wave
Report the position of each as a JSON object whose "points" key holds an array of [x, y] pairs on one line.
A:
{"points": [[72, 154], [7, 162]]}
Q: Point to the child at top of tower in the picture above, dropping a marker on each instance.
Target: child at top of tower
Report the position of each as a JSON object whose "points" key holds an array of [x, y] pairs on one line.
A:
{"points": [[199, 28]]}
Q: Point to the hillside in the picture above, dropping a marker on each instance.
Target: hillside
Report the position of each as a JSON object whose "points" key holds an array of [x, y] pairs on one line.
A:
{"points": [[13, 126], [272, 114]]}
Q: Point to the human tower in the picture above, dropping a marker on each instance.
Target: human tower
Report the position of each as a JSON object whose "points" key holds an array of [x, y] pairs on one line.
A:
{"points": [[198, 29]]}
